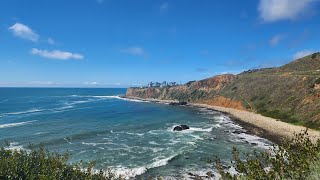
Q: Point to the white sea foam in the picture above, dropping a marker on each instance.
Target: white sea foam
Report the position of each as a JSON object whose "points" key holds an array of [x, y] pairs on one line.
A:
{"points": [[82, 152], [200, 129], [137, 134], [222, 119], [14, 146], [192, 143], [254, 140], [155, 132], [196, 137], [155, 150], [95, 144], [15, 124], [38, 133], [160, 162], [23, 112], [79, 102], [68, 141], [153, 143], [132, 172], [129, 172], [173, 142]]}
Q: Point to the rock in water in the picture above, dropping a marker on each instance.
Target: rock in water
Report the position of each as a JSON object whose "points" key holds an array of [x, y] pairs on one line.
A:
{"points": [[184, 127], [177, 128], [181, 127]]}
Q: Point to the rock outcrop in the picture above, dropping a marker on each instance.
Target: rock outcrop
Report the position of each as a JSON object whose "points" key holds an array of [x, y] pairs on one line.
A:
{"points": [[181, 128]]}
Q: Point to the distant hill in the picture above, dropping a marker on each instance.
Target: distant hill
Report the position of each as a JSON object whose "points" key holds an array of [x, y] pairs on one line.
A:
{"points": [[307, 63], [290, 93]]}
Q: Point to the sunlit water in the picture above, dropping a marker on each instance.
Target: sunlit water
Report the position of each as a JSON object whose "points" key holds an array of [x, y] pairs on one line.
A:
{"points": [[130, 137]]}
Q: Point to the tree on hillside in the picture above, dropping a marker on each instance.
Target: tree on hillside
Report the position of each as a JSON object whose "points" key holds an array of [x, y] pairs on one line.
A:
{"points": [[164, 84], [157, 84], [150, 84]]}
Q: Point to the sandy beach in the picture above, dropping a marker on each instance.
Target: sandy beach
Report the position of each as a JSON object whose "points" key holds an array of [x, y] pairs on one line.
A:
{"points": [[273, 129]]}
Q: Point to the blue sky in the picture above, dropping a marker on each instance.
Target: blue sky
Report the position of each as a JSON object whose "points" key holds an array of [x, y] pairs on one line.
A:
{"points": [[121, 43]]}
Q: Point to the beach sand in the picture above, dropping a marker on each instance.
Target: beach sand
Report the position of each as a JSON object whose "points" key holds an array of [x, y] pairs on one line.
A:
{"points": [[272, 129]]}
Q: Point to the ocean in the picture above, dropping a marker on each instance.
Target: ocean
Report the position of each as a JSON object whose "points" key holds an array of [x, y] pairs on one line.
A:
{"points": [[131, 137]]}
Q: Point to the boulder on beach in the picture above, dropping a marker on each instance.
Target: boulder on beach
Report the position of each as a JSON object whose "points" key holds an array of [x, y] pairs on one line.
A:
{"points": [[181, 127]]}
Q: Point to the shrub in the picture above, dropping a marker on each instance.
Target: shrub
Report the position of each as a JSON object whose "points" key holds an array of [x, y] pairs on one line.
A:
{"points": [[314, 55], [41, 164], [297, 158]]}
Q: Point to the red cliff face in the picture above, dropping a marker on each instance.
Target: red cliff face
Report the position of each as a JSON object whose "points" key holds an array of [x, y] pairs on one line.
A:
{"points": [[224, 102], [204, 91], [216, 83]]}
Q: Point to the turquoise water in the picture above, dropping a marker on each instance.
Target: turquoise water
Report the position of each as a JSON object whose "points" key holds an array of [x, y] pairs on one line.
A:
{"points": [[133, 138]]}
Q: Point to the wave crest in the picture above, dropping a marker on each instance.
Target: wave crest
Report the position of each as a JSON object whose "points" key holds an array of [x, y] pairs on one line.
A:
{"points": [[15, 124], [132, 172]]}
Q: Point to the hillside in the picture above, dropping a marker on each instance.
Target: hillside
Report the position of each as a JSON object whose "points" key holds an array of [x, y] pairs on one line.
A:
{"points": [[290, 93]]}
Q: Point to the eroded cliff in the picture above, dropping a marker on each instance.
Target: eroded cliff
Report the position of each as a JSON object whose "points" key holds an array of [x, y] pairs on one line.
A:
{"points": [[290, 93]]}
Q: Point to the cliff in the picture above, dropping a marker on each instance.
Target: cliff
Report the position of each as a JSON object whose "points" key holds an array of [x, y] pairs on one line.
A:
{"points": [[290, 93]]}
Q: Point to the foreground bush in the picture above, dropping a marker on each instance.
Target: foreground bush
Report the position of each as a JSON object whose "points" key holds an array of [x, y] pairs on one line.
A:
{"points": [[40, 164], [298, 158]]}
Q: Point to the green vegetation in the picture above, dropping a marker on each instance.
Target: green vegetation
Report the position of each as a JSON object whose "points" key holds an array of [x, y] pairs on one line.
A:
{"points": [[298, 158], [41, 164], [314, 55]]}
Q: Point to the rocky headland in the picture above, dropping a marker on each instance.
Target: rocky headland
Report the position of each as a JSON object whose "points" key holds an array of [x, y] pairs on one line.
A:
{"points": [[282, 100]]}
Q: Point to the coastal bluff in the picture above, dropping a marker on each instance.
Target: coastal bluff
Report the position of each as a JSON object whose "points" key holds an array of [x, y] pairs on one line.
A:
{"points": [[289, 93]]}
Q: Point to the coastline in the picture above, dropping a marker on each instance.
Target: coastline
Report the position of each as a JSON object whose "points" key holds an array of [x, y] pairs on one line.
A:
{"points": [[266, 127]]}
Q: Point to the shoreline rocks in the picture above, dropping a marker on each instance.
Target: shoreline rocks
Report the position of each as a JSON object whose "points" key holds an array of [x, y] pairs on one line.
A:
{"points": [[182, 103]]}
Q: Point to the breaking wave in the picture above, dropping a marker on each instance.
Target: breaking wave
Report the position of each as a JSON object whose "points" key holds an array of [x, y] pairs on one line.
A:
{"points": [[132, 172], [15, 124]]}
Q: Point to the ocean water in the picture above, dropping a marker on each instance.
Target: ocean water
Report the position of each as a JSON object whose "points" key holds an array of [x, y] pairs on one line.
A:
{"points": [[133, 138]]}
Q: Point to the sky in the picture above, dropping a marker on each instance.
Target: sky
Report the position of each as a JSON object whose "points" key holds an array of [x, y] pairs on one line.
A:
{"points": [[123, 43]]}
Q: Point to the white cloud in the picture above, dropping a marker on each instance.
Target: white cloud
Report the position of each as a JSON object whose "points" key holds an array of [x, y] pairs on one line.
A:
{"points": [[91, 83], [43, 83], [275, 40], [135, 51], [274, 10], [23, 31], [56, 54], [51, 41], [303, 53]]}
